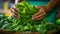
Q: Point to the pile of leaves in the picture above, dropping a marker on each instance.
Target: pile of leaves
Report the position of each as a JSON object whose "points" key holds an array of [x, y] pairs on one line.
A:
{"points": [[25, 23], [11, 24]]}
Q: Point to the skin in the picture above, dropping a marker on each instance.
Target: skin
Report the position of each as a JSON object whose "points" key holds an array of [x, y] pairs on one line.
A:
{"points": [[40, 14], [43, 11]]}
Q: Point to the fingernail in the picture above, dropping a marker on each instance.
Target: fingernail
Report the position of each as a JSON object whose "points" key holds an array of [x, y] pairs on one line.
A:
{"points": [[32, 18]]}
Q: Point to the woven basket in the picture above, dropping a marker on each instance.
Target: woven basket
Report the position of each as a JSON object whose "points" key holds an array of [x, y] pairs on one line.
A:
{"points": [[6, 32]]}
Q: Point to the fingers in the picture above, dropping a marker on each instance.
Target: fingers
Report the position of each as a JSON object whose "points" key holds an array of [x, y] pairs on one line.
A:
{"points": [[39, 18], [15, 15], [41, 11], [14, 12], [39, 15], [39, 7], [15, 9]]}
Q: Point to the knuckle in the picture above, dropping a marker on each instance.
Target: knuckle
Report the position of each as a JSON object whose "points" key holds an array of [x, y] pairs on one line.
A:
{"points": [[44, 12]]}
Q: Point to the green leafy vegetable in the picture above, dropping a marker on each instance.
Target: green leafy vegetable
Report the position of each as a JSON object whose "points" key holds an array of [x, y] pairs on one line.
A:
{"points": [[58, 21]]}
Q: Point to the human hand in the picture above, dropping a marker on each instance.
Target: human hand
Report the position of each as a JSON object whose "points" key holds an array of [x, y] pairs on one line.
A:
{"points": [[40, 14], [14, 12]]}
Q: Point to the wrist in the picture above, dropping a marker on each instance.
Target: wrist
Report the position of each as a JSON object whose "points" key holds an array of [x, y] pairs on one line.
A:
{"points": [[46, 9]]}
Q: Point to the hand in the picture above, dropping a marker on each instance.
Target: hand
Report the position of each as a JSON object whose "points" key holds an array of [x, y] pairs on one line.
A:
{"points": [[14, 12], [40, 14]]}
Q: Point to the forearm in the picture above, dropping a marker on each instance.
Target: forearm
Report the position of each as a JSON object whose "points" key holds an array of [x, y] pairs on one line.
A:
{"points": [[51, 4]]}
